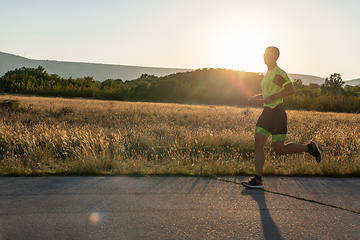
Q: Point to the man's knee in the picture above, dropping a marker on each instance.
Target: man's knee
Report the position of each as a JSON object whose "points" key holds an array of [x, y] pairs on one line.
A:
{"points": [[259, 142], [279, 149]]}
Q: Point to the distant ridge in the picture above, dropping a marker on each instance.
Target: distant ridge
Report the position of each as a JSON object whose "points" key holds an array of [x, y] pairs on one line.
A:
{"points": [[353, 82], [100, 72], [306, 79]]}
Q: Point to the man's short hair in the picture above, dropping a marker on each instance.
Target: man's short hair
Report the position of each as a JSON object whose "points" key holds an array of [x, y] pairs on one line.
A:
{"points": [[273, 50]]}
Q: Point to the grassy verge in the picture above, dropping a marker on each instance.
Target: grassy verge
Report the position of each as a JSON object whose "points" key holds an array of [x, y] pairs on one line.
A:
{"points": [[55, 136]]}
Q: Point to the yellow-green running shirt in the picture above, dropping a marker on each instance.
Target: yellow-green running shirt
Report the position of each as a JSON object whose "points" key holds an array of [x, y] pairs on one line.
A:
{"points": [[274, 82]]}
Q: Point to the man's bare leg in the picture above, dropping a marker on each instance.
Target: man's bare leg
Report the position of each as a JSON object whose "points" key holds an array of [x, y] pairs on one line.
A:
{"points": [[281, 149], [260, 141]]}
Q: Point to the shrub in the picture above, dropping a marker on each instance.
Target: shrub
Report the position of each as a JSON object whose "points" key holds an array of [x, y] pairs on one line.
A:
{"points": [[10, 104]]}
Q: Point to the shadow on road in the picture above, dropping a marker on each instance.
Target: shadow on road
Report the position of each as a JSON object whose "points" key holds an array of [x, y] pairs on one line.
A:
{"points": [[270, 229]]}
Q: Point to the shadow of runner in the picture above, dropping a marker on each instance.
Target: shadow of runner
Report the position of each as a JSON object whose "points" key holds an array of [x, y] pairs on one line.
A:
{"points": [[270, 229]]}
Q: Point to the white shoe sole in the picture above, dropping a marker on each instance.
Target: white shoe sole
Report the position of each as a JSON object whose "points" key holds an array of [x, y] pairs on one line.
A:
{"points": [[251, 186], [317, 146]]}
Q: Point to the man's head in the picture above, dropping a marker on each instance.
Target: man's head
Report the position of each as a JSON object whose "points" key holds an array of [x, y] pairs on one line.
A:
{"points": [[271, 55]]}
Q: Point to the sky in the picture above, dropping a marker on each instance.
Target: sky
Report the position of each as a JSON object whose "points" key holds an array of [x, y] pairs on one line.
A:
{"points": [[315, 37]]}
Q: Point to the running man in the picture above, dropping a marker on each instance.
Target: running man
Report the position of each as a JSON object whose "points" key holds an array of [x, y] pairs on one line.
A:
{"points": [[273, 121]]}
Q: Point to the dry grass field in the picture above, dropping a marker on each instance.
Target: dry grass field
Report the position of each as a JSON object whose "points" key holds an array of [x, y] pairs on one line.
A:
{"points": [[56, 136]]}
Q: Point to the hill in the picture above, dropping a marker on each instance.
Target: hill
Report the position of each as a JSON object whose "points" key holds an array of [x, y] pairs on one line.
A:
{"points": [[353, 82], [100, 72], [306, 79]]}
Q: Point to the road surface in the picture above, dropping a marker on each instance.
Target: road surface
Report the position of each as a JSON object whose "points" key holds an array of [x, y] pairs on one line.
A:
{"points": [[178, 208]]}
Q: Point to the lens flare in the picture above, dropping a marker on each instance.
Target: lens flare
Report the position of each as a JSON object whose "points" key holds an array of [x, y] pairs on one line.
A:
{"points": [[94, 218], [245, 89]]}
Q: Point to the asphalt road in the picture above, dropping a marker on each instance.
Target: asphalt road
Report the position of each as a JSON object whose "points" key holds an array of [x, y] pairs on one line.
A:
{"points": [[178, 208]]}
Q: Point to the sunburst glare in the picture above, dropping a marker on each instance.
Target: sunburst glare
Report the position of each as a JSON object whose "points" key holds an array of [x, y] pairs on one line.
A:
{"points": [[241, 49]]}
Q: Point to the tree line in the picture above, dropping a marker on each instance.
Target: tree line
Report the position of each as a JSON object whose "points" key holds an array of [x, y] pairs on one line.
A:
{"points": [[331, 96], [202, 86]]}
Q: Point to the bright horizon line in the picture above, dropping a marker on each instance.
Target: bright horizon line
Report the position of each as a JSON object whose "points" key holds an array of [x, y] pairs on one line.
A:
{"points": [[147, 66]]}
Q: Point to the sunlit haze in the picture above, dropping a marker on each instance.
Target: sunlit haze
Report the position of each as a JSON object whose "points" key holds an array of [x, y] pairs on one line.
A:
{"points": [[240, 49], [314, 37]]}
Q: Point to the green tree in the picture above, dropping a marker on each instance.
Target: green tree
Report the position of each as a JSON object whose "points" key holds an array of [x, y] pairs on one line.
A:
{"points": [[333, 84], [298, 84]]}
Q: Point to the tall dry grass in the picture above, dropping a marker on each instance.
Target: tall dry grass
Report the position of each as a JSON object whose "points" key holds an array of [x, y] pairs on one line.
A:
{"points": [[86, 137]]}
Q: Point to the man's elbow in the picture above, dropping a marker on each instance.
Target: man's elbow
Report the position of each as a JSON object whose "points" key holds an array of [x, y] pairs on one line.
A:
{"points": [[293, 90]]}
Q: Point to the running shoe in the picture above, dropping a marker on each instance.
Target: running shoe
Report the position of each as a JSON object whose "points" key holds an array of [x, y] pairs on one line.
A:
{"points": [[316, 152], [253, 183]]}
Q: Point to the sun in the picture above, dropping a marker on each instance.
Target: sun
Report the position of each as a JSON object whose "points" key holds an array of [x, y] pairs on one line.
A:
{"points": [[241, 50]]}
